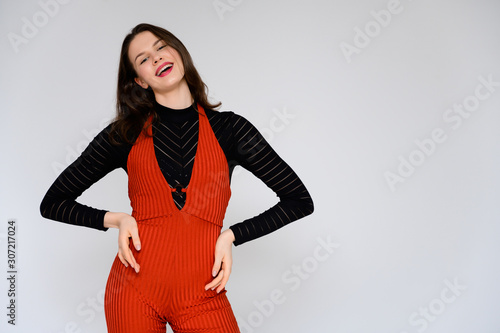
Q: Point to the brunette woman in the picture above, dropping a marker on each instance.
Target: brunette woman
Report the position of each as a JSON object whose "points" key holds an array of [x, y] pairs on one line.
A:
{"points": [[179, 154]]}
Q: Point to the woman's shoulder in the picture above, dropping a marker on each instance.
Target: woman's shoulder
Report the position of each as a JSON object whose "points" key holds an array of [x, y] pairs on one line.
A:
{"points": [[222, 114], [108, 139], [227, 117]]}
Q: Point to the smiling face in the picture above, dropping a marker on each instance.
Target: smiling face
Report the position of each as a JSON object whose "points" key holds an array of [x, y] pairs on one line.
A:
{"points": [[157, 65]]}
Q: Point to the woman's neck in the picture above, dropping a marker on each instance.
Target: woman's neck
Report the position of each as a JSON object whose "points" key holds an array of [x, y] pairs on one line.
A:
{"points": [[178, 98]]}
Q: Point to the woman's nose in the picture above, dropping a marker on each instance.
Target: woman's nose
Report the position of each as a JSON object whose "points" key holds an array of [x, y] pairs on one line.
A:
{"points": [[157, 59]]}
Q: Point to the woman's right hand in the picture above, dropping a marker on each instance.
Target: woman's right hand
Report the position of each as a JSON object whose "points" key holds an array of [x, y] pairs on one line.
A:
{"points": [[127, 226]]}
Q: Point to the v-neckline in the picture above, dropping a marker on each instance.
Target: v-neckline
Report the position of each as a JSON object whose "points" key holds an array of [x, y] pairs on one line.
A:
{"points": [[164, 180]]}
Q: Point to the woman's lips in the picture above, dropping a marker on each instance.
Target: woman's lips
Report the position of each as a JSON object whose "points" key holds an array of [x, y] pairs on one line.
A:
{"points": [[166, 72]]}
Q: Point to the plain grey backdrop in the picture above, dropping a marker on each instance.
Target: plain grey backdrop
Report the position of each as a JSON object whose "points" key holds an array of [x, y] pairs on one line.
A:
{"points": [[387, 110]]}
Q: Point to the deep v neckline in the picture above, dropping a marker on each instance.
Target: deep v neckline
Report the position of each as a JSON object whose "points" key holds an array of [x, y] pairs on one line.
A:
{"points": [[186, 189], [208, 191]]}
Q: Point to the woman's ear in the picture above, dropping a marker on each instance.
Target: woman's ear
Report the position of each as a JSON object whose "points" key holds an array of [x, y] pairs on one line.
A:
{"points": [[141, 83]]}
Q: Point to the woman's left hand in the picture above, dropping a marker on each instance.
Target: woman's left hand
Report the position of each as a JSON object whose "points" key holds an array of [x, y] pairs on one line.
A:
{"points": [[223, 261]]}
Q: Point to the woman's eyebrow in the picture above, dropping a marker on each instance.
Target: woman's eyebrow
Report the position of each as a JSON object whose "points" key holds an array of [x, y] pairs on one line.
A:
{"points": [[159, 40]]}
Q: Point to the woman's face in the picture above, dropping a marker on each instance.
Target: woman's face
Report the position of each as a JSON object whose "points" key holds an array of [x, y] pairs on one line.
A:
{"points": [[157, 65]]}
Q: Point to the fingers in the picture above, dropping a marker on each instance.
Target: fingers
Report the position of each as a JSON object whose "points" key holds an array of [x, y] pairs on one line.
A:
{"points": [[134, 233], [125, 254], [217, 265], [226, 269], [132, 261], [216, 281], [216, 274], [223, 262], [123, 243], [120, 256], [221, 279], [128, 229]]}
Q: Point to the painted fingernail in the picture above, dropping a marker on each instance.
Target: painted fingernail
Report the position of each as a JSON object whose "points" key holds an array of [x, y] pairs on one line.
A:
{"points": [[138, 247], [214, 273]]}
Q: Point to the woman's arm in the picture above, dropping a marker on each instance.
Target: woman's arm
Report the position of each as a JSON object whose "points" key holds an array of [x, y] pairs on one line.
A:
{"points": [[251, 150], [254, 153], [98, 159]]}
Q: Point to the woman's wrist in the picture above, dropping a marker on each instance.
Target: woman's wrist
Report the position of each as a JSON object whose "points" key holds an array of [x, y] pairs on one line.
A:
{"points": [[229, 235], [112, 220]]}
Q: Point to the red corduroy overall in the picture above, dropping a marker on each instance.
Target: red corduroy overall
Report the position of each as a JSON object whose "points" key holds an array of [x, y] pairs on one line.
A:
{"points": [[177, 246]]}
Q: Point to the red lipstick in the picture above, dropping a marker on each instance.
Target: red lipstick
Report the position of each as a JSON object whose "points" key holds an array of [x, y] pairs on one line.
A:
{"points": [[164, 69]]}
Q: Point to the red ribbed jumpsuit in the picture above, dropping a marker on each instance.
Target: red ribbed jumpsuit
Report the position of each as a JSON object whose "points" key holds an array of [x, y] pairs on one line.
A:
{"points": [[177, 246]]}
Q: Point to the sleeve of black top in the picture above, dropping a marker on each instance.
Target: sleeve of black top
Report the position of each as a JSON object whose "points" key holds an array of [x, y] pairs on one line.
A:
{"points": [[253, 152], [98, 159]]}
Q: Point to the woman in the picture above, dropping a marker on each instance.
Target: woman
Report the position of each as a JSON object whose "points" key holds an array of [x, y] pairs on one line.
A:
{"points": [[179, 154]]}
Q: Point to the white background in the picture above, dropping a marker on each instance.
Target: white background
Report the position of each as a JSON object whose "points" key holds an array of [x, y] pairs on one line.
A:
{"points": [[355, 118]]}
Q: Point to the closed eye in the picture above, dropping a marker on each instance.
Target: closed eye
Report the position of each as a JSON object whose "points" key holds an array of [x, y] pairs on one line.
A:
{"points": [[145, 59]]}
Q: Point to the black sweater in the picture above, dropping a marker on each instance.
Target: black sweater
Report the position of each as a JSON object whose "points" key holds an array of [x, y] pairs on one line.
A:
{"points": [[175, 138]]}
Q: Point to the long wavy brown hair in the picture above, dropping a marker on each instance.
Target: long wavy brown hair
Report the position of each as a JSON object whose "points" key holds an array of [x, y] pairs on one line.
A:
{"points": [[134, 104]]}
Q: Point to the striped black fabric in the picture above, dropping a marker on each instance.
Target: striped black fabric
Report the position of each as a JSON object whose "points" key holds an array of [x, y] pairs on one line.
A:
{"points": [[175, 141]]}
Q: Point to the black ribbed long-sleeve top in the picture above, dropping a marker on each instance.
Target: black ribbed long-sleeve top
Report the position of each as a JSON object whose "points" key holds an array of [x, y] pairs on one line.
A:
{"points": [[175, 138]]}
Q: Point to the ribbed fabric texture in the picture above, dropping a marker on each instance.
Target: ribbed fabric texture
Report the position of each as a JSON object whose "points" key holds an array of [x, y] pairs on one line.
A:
{"points": [[177, 246]]}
